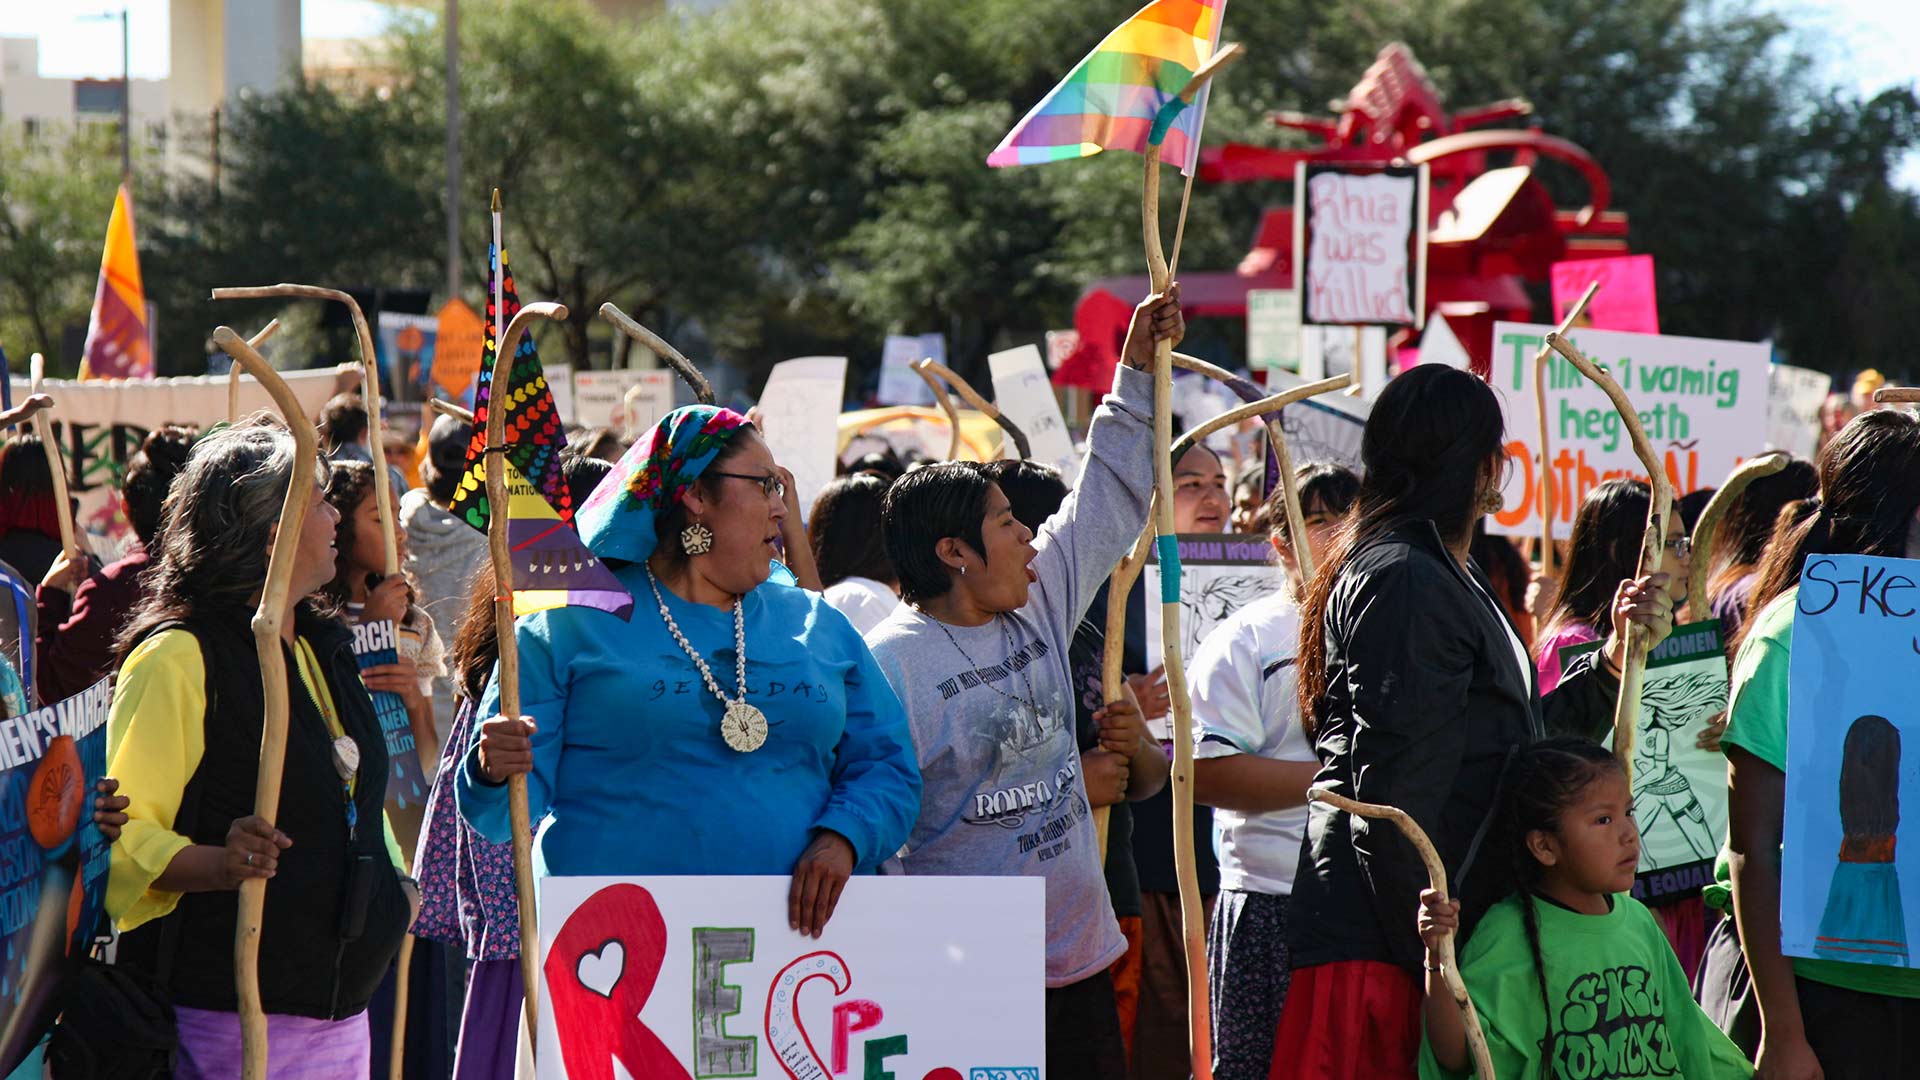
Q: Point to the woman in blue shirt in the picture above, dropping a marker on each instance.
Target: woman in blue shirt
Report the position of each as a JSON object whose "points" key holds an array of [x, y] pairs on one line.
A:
{"points": [[734, 725]]}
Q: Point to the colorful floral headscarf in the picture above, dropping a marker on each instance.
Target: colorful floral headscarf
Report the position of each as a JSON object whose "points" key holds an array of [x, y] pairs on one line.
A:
{"points": [[617, 522]]}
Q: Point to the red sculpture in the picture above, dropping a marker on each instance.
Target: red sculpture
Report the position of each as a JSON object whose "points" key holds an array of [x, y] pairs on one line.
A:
{"points": [[1493, 226]]}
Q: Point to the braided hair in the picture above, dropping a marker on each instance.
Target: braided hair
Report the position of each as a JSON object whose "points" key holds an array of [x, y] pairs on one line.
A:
{"points": [[1546, 781]]}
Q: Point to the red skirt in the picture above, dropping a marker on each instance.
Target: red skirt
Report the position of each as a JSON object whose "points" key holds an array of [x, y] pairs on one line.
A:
{"points": [[1351, 1020]]}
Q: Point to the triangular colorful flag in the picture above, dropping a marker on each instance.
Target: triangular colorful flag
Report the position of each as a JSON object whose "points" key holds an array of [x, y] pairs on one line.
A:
{"points": [[551, 566], [117, 344], [534, 433], [1125, 94]]}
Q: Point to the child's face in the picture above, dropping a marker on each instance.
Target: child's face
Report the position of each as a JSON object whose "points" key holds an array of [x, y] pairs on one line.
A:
{"points": [[1597, 846], [369, 551]]}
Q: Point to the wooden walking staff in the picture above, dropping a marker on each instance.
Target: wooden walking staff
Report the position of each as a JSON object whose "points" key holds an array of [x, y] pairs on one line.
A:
{"points": [[928, 369], [945, 401], [1437, 881], [267, 620], [448, 408], [234, 371], [1549, 507], [56, 464], [1897, 395], [1626, 714], [702, 389], [1707, 529], [502, 557]]}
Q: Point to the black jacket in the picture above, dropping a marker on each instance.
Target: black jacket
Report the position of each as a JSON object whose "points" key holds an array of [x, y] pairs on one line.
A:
{"points": [[1423, 709]]}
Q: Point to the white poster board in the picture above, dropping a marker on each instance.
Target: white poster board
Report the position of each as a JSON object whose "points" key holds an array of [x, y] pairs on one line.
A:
{"points": [[1327, 351], [899, 383], [627, 400], [560, 381], [1793, 409], [1327, 428], [799, 412], [1022, 391], [1440, 345], [1361, 238], [1273, 329], [1219, 575], [674, 978], [1703, 404]]}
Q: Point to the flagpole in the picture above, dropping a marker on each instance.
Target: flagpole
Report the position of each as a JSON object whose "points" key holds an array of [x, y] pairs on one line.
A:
{"points": [[499, 276]]}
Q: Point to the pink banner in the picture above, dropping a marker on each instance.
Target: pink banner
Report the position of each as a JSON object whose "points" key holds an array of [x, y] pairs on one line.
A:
{"points": [[1625, 300]]}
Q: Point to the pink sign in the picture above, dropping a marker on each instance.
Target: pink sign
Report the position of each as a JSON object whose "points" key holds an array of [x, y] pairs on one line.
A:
{"points": [[1625, 300]]}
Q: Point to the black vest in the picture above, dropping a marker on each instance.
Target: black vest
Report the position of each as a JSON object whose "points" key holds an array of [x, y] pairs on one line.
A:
{"points": [[335, 913]]}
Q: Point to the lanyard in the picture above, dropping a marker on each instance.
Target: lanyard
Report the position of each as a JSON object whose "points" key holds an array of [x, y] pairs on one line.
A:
{"points": [[312, 680]]}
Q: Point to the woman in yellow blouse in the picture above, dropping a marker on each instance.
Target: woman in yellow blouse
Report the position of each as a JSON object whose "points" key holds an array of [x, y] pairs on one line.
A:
{"points": [[184, 739]]}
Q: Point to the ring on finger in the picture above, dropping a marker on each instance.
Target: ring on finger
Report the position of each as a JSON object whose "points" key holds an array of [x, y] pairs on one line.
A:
{"points": [[249, 858]]}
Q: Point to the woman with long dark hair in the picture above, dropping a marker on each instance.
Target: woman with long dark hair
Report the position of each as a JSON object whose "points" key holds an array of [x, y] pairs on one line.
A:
{"points": [[1743, 536], [1816, 1017], [851, 550], [1416, 689]]}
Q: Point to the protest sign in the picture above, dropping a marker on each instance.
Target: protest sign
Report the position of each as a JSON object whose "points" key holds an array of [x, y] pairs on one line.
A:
{"points": [[1440, 345], [1024, 394], [1321, 429], [798, 409], [376, 643], [1060, 346], [560, 380], [459, 338], [1679, 790], [403, 345], [1794, 397], [1326, 351], [19, 614], [1361, 237], [101, 422], [1703, 404], [627, 400], [1852, 669], [1624, 301], [899, 383], [1273, 329], [53, 880], [677, 978], [1220, 573]]}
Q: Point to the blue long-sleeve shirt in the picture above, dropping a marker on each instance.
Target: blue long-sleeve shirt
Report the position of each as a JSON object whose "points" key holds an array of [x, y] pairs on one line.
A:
{"points": [[629, 766]]}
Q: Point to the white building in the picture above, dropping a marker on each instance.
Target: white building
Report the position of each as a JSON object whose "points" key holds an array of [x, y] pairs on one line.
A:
{"points": [[36, 104]]}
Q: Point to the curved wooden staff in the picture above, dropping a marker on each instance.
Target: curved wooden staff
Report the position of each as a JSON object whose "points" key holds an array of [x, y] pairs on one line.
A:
{"points": [[1281, 455], [1626, 714], [233, 370], [369, 395], [267, 620], [1897, 395], [448, 408], [946, 405], [1192, 915], [1548, 507], [56, 464], [23, 412], [929, 368], [1707, 529], [1437, 881], [702, 389], [498, 499]]}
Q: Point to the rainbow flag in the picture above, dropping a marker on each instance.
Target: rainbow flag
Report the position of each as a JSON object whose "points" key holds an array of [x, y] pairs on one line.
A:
{"points": [[551, 566], [1125, 94], [117, 344]]}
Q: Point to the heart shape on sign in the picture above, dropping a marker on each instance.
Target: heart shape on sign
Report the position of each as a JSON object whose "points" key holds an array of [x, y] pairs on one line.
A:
{"points": [[600, 971]]}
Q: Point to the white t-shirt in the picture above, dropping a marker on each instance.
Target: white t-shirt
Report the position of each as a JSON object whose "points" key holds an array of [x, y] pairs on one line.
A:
{"points": [[865, 602], [1520, 657], [1244, 681]]}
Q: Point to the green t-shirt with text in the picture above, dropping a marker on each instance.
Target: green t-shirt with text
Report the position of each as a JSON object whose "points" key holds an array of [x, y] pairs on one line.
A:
{"points": [[1757, 723], [1622, 1009]]}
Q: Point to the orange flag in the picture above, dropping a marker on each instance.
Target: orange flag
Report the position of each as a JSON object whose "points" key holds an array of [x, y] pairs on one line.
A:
{"points": [[117, 345]]}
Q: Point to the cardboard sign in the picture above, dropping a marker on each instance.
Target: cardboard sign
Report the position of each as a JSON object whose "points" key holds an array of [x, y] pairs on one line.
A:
{"points": [[1220, 573], [375, 643], [687, 978], [1022, 391], [53, 881], [1361, 238], [1273, 329], [629, 401], [1794, 397], [899, 383], [1854, 664], [799, 411], [460, 338], [1703, 404], [1679, 790], [1624, 301]]}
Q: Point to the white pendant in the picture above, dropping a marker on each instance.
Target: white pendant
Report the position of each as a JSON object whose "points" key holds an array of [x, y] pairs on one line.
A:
{"points": [[743, 727]]}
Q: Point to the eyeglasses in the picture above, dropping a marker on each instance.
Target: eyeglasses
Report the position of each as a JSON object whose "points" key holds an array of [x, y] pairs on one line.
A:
{"points": [[1681, 546], [772, 486]]}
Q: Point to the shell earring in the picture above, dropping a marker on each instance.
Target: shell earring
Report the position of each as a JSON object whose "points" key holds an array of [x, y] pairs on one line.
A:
{"points": [[696, 539], [1492, 501]]}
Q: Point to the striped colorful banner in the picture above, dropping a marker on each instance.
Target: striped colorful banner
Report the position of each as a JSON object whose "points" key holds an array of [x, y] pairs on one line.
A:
{"points": [[1125, 94]]}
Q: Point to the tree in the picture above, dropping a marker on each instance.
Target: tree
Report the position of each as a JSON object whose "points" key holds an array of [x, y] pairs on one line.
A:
{"points": [[56, 193]]}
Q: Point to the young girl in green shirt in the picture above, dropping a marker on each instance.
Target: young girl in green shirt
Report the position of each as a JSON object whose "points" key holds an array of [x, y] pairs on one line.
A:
{"points": [[1572, 977]]}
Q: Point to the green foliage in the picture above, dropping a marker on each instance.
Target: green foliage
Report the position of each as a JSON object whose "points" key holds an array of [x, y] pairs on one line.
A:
{"points": [[56, 193]]}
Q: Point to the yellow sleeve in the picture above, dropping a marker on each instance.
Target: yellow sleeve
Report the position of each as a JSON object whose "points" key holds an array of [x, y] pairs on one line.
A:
{"points": [[393, 846], [156, 735]]}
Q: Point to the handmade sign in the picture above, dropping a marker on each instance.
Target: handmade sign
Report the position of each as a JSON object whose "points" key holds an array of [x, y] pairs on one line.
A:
{"points": [[687, 978], [797, 410], [1219, 574], [1624, 301], [1679, 790], [1701, 401], [101, 422], [459, 337], [1794, 397], [898, 384], [19, 615], [1855, 661], [406, 345], [1359, 351], [1322, 429], [1362, 239], [627, 400], [1024, 394], [53, 881], [1273, 329], [375, 643]]}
